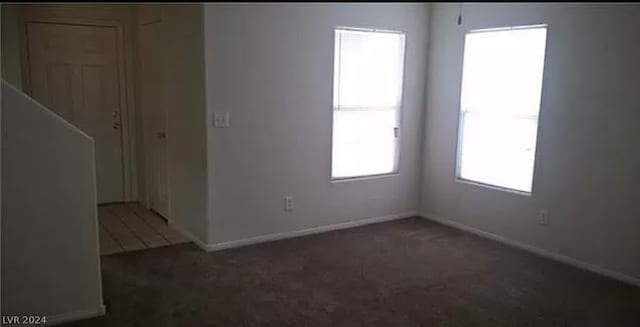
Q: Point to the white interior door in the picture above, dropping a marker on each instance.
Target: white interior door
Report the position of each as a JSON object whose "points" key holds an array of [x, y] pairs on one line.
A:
{"points": [[74, 72], [155, 117]]}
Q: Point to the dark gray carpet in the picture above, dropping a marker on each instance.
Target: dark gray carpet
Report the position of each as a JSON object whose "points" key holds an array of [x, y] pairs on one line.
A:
{"points": [[409, 272]]}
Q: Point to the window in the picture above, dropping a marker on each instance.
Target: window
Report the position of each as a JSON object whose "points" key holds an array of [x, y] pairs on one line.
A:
{"points": [[500, 101], [367, 95]]}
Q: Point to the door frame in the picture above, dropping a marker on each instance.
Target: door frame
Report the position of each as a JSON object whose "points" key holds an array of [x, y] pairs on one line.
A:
{"points": [[27, 15]]}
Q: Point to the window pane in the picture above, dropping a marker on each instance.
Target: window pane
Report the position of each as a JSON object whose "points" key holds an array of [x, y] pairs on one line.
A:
{"points": [[503, 71], [500, 101], [367, 94], [368, 69], [363, 143], [498, 150]]}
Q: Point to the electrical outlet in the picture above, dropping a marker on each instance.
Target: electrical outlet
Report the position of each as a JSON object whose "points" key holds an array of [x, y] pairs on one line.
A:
{"points": [[288, 203], [543, 217]]}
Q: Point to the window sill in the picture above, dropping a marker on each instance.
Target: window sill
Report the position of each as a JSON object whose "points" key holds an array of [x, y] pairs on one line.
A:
{"points": [[362, 178], [493, 187]]}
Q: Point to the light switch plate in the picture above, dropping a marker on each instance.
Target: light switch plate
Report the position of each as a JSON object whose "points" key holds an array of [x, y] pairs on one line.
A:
{"points": [[221, 119]]}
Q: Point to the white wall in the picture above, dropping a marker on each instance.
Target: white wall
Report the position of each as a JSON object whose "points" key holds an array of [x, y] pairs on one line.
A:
{"points": [[181, 37], [588, 157], [50, 256], [271, 67]]}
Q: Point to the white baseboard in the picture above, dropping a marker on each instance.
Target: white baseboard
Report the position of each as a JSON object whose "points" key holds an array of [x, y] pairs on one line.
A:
{"points": [[76, 315], [302, 232], [538, 251], [308, 231]]}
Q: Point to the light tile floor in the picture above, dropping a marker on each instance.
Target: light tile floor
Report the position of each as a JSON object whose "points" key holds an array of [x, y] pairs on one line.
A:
{"points": [[130, 226]]}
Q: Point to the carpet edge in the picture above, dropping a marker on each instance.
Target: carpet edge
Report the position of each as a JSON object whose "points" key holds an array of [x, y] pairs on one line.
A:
{"points": [[297, 233]]}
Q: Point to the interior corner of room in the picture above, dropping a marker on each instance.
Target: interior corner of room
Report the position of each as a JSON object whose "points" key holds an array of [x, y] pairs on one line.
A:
{"points": [[294, 163]]}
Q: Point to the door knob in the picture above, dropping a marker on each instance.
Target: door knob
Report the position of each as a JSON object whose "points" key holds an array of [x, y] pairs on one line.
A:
{"points": [[161, 135], [116, 125]]}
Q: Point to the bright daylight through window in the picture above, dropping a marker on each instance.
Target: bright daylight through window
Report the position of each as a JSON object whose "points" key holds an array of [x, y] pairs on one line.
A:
{"points": [[500, 101], [367, 95]]}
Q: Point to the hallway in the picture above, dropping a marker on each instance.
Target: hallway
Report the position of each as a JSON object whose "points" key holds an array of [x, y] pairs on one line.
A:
{"points": [[130, 226]]}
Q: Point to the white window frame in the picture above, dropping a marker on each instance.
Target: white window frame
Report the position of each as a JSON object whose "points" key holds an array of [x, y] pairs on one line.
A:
{"points": [[399, 110], [462, 113]]}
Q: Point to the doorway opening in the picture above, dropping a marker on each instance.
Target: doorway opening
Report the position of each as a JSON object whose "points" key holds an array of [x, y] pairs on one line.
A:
{"points": [[75, 70], [99, 67], [130, 227]]}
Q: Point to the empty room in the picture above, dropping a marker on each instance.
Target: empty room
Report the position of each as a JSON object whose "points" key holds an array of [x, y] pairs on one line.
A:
{"points": [[320, 164]]}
